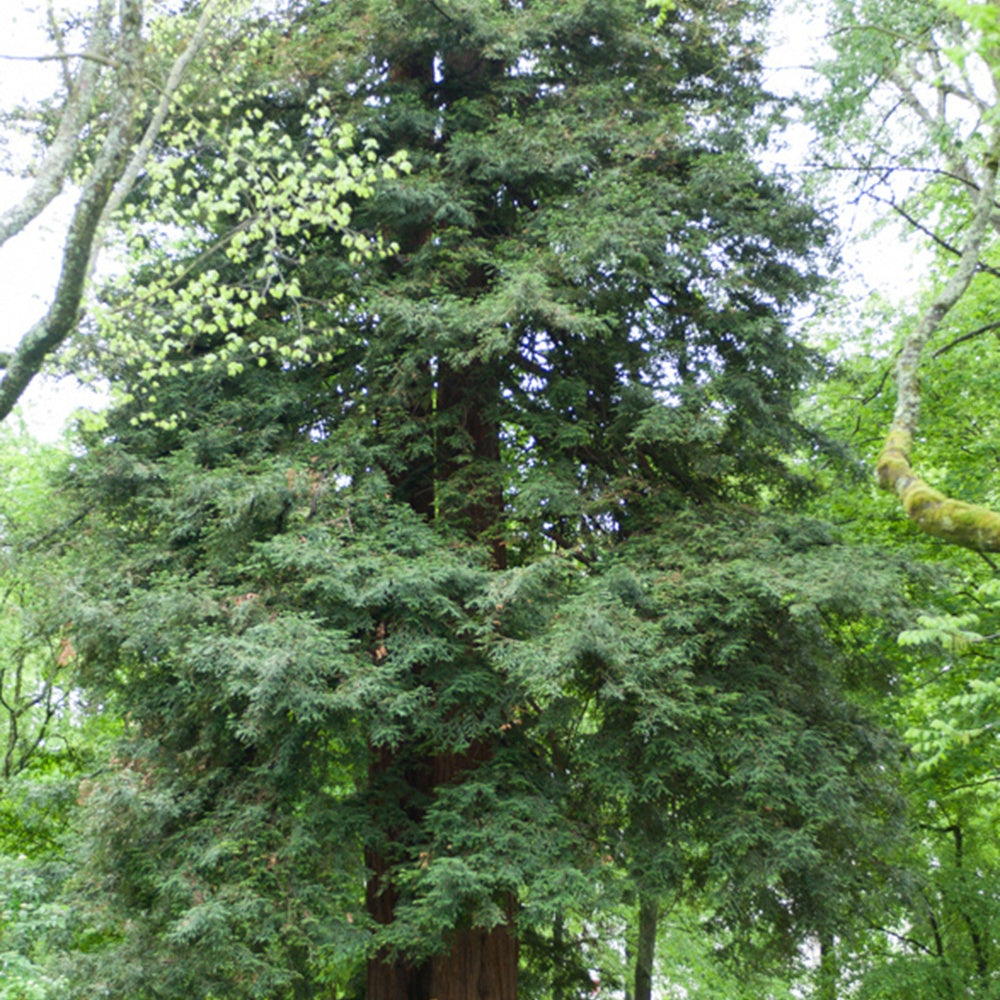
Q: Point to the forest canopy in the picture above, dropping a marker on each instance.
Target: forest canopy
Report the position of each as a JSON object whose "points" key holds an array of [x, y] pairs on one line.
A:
{"points": [[476, 584]]}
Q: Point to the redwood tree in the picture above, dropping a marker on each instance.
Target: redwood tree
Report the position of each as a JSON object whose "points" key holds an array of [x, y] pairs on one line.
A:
{"points": [[441, 572]]}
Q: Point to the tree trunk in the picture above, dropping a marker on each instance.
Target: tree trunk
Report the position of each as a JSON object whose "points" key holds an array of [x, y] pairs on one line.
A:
{"points": [[649, 915], [558, 933], [826, 985], [461, 486], [481, 963]]}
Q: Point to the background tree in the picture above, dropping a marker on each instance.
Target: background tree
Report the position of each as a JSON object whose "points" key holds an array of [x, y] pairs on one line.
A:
{"points": [[118, 87], [52, 744], [919, 82]]}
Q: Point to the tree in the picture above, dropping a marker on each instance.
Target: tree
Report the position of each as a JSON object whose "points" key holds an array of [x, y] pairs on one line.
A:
{"points": [[117, 92], [426, 536], [51, 744], [920, 82], [914, 90]]}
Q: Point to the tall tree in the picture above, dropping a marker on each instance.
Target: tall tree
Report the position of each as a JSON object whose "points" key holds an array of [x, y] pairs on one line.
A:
{"points": [[439, 569]]}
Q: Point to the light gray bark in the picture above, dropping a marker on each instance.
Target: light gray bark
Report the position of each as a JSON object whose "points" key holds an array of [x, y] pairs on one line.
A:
{"points": [[63, 313], [51, 174], [120, 159], [142, 150]]}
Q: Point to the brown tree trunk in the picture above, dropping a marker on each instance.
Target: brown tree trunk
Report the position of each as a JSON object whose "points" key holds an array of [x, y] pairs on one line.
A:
{"points": [[481, 963], [461, 485], [649, 915]]}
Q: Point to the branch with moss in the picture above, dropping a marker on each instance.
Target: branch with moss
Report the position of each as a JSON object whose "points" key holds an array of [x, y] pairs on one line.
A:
{"points": [[955, 521]]}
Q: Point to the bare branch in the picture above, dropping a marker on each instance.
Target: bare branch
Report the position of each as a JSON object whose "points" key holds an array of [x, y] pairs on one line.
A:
{"points": [[62, 57], [53, 171], [59, 36], [966, 336], [930, 234], [957, 164]]}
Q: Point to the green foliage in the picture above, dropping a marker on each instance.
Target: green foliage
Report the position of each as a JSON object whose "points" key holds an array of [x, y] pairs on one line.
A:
{"points": [[49, 743], [243, 194], [911, 107], [483, 606]]}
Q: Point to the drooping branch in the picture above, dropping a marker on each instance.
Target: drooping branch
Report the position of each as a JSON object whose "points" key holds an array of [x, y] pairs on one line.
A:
{"points": [[955, 521], [121, 157]]}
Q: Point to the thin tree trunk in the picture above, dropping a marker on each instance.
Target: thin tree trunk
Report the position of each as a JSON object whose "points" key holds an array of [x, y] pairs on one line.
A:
{"points": [[827, 972], [645, 952], [558, 941]]}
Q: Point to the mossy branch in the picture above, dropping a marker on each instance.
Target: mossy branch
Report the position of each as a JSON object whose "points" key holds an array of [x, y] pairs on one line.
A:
{"points": [[955, 521]]}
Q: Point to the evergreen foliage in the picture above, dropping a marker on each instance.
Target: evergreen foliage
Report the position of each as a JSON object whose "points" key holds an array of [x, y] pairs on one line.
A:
{"points": [[484, 611]]}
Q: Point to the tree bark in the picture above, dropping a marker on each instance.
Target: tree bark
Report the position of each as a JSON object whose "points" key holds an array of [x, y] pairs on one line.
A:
{"points": [[58, 159], [481, 963], [645, 952]]}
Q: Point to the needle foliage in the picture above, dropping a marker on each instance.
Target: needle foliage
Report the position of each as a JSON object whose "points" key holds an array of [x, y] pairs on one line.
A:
{"points": [[452, 591]]}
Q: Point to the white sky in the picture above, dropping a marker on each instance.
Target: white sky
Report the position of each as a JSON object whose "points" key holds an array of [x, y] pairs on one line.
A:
{"points": [[872, 263]]}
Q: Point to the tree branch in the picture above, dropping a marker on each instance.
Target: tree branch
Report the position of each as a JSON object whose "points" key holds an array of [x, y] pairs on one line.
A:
{"points": [[62, 316], [934, 513], [966, 336], [119, 162], [61, 57], [128, 177], [76, 111], [930, 234]]}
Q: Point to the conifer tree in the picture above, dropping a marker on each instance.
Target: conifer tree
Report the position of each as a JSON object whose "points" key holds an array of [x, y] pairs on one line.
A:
{"points": [[441, 572]]}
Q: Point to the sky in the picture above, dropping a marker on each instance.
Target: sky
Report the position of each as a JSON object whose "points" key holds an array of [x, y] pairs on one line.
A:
{"points": [[872, 262]]}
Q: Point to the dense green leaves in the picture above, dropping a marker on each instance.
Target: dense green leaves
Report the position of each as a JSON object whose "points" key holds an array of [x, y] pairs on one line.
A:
{"points": [[437, 552]]}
